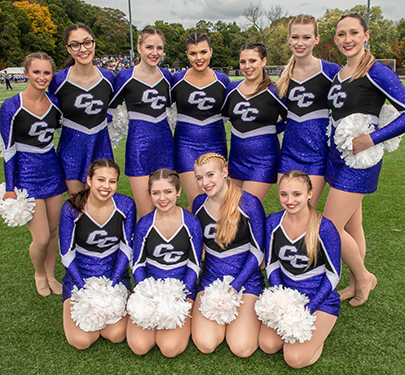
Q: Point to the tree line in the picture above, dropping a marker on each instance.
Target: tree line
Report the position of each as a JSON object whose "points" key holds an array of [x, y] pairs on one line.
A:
{"points": [[26, 27]]}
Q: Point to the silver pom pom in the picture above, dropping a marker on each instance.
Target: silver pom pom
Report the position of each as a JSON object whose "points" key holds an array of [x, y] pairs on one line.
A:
{"points": [[118, 127], [329, 131], [2, 148], [17, 212], [388, 114], [220, 302], [349, 128], [283, 309], [159, 304], [172, 116], [98, 303]]}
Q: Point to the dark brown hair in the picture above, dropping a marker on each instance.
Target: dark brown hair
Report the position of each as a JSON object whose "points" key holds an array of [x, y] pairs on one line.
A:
{"points": [[69, 61], [165, 174]]}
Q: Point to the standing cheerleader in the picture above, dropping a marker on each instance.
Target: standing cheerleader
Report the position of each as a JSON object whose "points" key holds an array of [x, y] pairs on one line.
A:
{"points": [[233, 227], [302, 253], [27, 123], [199, 95], [362, 86], [95, 237], [254, 107], [84, 92], [146, 91], [305, 83], [167, 244]]}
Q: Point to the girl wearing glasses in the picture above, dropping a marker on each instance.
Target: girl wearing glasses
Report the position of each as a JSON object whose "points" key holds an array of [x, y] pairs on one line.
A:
{"points": [[84, 92]]}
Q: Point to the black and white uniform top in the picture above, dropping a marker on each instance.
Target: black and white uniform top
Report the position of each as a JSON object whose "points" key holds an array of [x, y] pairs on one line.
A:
{"points": [[243, 256], [91, 249], [177, 257], [287, 263]]}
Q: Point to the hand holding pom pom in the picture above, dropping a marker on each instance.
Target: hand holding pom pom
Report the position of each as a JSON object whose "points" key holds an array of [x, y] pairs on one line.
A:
{"points": [[16, 212], [283, 309], [220, 301], [98, 303]]}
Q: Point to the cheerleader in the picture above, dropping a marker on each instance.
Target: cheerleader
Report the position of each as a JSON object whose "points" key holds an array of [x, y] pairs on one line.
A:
{"points": [[95, 238], [362, 86], [146, 91], [233, 227], [84, 92], [167, 243], [305, 83], [199, 95], [302, 252], [27, 123], [254, 107]]}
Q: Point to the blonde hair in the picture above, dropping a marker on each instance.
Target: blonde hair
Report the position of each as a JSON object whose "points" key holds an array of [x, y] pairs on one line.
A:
{"points": [[229, 215], [284, 81], [315, 218], [368, 59]]}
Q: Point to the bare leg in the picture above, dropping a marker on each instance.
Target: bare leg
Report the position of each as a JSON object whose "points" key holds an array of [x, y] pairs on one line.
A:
{"points": [[173, 342], [190, 186], [299, 355], [115, 332], [242, 334], [74, 335], [140, 340], [39, 228], [139, 186], [259, 189], [269, 341], [341, 208], [53, 207], [318, 184], [74, 186], [206, 334]]}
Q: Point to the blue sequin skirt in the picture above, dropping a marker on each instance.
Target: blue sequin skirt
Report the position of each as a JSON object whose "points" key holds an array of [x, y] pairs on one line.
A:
{"points": [[192, 141]]}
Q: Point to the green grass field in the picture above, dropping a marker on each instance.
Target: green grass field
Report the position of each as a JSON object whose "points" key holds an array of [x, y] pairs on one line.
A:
{"points": [[366, 340]]}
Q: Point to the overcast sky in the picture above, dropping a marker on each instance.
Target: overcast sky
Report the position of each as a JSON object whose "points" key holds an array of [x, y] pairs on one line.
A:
{"points": [[189, 12]]}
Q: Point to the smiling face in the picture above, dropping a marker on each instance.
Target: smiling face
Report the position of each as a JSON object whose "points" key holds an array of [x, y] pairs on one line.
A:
{"points": [[302, 39], [251, 64], [293, 194], [84, 55], [164, 195], [350, 37], [151, 50], [211, 179], [39, 74], [103, 184], [199, 55]]}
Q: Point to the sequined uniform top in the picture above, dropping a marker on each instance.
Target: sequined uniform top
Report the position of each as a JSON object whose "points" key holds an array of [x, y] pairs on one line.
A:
{"points": [[200, 127], [84, 135], [255, 147], [178, 257], [287, 263], [30, 161], [243, 256], [304, 145], [91, 249], [150, 144], [364, 95]]}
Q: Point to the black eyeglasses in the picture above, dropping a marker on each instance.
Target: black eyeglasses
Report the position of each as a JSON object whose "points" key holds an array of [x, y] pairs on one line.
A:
{"points": [[75, 46]]}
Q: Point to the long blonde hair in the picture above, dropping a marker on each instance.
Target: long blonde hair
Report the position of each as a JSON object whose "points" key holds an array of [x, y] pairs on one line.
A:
{"points": [[284, 81], [229, 215], [315, 218], [368, 59]]}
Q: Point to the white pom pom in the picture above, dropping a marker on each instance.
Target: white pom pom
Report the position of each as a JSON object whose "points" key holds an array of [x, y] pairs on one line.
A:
{"points": [[2, 190], [172, 116], [220, 301], [98, 303], [118, 127], [283, 309], [143, 304], [349, 128], [159, 304], [17, 212], [388, 114]]}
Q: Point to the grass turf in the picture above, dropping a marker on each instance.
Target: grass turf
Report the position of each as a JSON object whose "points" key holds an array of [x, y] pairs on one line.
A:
{"points": [[365, 340]]}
